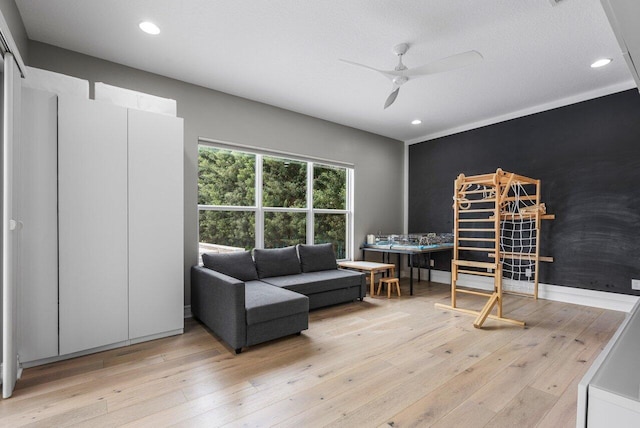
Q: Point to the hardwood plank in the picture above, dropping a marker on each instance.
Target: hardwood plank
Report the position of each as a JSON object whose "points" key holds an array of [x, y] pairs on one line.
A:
{"points": [[117, 418], [176, 414], [64, 419], [525, 410], [468, 414], [563, 413]]}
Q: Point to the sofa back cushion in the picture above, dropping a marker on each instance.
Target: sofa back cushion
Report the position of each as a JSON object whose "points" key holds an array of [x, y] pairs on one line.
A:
{"points": [[314, 258], [276, 261], [238, 265]]}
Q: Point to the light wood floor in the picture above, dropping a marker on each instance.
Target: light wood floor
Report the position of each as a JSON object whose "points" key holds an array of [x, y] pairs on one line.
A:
{"points": [[378, 363]]}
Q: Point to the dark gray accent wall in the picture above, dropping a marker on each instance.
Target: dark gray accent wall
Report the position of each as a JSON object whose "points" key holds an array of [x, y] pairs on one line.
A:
{"points": [[587, 156], [216, 115]]}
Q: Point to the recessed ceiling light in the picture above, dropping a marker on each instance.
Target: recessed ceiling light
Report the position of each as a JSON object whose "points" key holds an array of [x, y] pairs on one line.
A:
{"points": [[416, 122], [149, 27], [601, 62]]}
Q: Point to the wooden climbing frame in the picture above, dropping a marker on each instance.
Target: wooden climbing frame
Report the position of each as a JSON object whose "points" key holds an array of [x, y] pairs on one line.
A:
{"points": [[483, 204]]}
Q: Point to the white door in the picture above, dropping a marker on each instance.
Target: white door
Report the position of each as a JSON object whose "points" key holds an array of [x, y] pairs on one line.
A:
{"points": [[36, 195], [92, 204], [156, 279], [10, 138]]}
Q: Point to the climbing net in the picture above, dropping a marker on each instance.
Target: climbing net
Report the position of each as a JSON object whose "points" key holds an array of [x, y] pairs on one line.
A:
{"points": [[518, 236]]}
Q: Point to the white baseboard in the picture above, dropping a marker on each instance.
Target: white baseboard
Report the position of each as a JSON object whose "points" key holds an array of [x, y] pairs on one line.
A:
{"points": [[187, 311], [84, 352], [558, 293]]}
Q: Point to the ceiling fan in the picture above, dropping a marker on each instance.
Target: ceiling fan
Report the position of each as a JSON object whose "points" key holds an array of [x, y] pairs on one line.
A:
{"points": [[401, 74]]}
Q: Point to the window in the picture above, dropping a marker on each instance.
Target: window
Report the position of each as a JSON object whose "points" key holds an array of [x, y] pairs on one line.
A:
{"points": [[252, 200], [226, 185], [330, 204]]}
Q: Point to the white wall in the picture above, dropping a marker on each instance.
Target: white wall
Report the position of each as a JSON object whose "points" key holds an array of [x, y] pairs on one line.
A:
{"points": [[379, 162]]}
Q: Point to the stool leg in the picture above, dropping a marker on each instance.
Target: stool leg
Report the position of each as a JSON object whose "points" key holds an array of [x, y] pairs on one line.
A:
{"points": [[379, 287], [389, 287], [398, 287]]}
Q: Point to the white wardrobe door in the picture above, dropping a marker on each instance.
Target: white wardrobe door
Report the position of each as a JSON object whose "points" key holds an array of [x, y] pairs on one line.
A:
{"points": [[11, 96], [37, 210], [92, 195], [156, 279]]}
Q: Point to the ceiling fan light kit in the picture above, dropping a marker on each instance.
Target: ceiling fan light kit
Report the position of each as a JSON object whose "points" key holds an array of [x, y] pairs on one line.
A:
{"points": [[401, 74]]}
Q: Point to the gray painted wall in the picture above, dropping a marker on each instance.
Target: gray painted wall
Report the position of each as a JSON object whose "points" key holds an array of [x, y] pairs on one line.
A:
{"points": [[378, 160], [16, 26]]}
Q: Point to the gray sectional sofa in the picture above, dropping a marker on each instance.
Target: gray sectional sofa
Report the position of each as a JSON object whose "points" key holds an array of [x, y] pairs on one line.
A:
{"points": [[248, 300]]}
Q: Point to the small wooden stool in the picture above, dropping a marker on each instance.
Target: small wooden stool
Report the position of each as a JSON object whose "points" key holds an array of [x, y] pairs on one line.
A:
{"points": [[391, 281]]}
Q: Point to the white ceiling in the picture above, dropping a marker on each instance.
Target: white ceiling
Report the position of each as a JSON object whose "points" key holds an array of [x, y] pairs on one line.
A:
{"points": [[285, 53]]}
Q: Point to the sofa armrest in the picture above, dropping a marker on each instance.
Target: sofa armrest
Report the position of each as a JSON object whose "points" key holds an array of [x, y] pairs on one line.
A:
{"points": [[218, 301]]}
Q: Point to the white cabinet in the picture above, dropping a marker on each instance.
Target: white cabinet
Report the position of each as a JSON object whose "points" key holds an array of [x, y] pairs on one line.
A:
{"points": [[93, 229], [36, 208], [155, 224], [101, 251]]}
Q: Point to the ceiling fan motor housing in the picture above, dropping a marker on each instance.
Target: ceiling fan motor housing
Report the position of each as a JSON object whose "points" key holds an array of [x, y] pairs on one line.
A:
{"points": [[401, 49]]}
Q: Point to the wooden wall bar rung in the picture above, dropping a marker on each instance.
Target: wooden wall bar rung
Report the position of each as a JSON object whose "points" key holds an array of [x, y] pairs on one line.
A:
{"points": [[484, 249], [471, 192], [476, 220], [520, 178], [524, 256], [522, 198], [477, 239], [473, 272], [478, 210], [476, 230], [478, 201], [471, 263], [485, 178], [480, 182]]}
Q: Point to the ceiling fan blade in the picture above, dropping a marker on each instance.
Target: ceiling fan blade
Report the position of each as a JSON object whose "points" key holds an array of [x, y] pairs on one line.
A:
{"points": [[386, 73], [445, 64], [392, 97]]}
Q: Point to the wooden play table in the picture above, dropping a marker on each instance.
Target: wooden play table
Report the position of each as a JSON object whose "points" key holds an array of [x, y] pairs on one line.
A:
{"points": [[372, 268]]}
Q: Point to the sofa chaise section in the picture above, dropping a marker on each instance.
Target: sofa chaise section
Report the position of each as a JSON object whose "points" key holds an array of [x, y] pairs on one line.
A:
{"points": [[241, 310]]}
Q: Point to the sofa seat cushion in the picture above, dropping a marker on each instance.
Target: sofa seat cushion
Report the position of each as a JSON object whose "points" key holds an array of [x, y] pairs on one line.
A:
{"points": [[276, 261], [265, 302], [317, 282]]}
